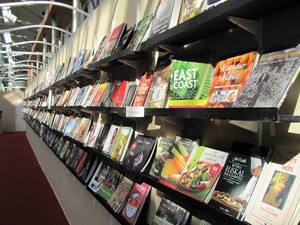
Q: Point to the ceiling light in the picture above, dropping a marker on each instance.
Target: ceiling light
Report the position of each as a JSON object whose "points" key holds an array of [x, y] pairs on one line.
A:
{"points": [[8, 16]]}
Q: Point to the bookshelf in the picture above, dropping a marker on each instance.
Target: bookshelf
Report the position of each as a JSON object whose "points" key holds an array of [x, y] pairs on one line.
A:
{"points": [[263, 25]]}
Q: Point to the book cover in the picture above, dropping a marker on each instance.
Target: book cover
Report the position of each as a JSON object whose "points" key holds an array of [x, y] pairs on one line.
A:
{"points": [[238, 180], [76, 159], [90, 94], [121, 144], [72, 155], [168, 213], [277, 195], [201, 172], [102, 137], [93, 134], [99, 94], [113, 39], [99, 52], [119, 92], [156, 97], [135, 202], [99, 176], [83, 129], [229, 78], [87, 166], [189, 84], [162, 17], [140, 31], [78, 61], [142, 89], [130, 94], [70, 125], [109, 184], [111, 138], [163, 148], [119, 196], [270, 80], [190, 9], [81, 163], [176, 160], [125, 39], [139, 152]]}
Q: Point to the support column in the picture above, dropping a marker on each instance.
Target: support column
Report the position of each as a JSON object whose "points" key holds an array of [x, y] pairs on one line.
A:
{"points": [[53, 36], [75, 24], [44, 51]]}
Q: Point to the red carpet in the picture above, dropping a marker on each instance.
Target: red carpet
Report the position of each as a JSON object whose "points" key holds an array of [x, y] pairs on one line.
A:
{"points": [[26, 197]]}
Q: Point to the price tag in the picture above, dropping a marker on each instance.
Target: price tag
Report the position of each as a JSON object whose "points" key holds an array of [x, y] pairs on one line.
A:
{"points": [[135, 111]]}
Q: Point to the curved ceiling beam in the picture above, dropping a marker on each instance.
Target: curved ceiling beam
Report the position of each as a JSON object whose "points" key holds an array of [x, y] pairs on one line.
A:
{"points": [[34, 26], [27, 61], [28, 42], [17, 53], [29, 3]]}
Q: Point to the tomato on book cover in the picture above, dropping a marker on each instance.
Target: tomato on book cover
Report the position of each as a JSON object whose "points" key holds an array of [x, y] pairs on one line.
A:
{"points": [[176, 160], [201, 172], [189, 84], [135, 201], [229, 78], [119, 92]]}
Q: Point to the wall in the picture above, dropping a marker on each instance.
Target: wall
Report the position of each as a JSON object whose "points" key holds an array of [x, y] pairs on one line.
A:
{"points": [[8, 106]]}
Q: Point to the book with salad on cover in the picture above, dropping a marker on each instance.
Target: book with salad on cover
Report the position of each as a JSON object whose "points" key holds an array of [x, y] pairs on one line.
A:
{"points": [[238, 179], [229, 78], [189, 84], [201, 172], [162, 151], [135, 202], [271, 79], [277, 194], [157, 94], [176, 160], [119, 196]]}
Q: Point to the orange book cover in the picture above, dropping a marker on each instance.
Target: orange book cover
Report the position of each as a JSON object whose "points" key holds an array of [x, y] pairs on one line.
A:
{"points": [[230, 76]]}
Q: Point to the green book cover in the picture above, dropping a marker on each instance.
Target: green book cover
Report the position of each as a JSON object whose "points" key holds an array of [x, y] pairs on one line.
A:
{"points": [[189, 84]]}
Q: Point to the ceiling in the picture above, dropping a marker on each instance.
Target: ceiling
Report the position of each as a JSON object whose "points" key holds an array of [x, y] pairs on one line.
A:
{"points": [[20, 61]]}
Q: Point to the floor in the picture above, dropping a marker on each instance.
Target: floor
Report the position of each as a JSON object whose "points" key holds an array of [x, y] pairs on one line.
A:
{"points": [[26, 197]]}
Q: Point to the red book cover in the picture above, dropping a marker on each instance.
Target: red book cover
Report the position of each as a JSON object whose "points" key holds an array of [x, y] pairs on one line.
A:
{"points": [[119, 92], [98, 96], [135, 202], [113, 39], [142, 89]]}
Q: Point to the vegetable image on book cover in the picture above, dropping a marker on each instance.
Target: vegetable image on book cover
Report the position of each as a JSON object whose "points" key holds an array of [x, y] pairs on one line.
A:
{"points": [[189, 84]]}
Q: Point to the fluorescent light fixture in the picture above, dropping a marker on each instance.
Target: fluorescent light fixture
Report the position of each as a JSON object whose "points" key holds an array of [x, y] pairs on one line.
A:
{"points": [[7, 37], [8, 16]]}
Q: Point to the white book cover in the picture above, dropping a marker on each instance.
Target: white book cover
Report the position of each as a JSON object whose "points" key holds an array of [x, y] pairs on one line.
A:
{"points": [[277, 194]]}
